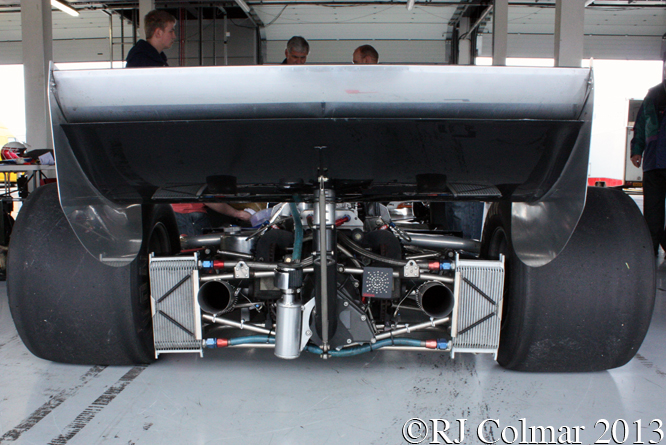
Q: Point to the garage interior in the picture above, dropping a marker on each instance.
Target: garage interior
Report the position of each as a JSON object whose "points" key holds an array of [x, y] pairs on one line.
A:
{"points": [[248, 396]]}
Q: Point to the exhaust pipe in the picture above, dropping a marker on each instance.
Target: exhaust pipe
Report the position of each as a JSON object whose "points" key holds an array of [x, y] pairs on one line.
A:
{"points": [[217, 297], [440, 242], [237, 244], [194, 242], [435, 299]]}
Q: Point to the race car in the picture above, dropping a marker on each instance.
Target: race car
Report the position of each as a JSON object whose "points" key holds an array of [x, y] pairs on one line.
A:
{"points": [[562, 277]]}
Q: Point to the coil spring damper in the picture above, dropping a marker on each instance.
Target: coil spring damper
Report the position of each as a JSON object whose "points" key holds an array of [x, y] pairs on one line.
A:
{"points": [[288, 278], [331, 301], [325, 266]]}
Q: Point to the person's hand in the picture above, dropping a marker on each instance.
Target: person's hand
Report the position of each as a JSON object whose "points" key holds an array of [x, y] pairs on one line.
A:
{"points": [[243, 215], [636, 160]]}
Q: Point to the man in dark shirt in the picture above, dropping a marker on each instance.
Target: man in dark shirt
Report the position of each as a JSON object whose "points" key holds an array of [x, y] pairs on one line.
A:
{"points": [[160, 35], [649, 148]]}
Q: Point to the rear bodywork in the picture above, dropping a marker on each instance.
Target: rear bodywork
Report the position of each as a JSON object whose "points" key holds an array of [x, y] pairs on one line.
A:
{"points": [[332, 268], [381, 133]]}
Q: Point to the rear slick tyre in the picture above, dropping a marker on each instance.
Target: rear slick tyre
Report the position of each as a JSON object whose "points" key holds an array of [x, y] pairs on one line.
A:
{"points": [[67, 306], [590, 308]]}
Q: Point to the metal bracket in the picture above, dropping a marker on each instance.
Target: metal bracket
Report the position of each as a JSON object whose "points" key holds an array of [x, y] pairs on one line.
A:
{"points": [[411, 270], [306, 333], [241, 270]]}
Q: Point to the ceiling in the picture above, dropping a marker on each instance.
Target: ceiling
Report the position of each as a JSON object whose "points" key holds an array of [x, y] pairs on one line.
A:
{"points": [[426, 20], [365, 20], [375, 19]]}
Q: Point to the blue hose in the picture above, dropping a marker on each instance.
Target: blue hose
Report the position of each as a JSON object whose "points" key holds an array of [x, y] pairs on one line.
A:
{"points": [[251, 339], [298, 231], [346, 352], [362, 349]]}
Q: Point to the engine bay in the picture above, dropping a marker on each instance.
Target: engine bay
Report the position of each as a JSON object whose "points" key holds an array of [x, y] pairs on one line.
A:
{"points": [[329, 278]]}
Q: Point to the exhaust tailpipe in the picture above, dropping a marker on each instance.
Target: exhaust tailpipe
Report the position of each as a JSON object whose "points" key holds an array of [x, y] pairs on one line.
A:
{"points": [[217, 297], [435, 299]]}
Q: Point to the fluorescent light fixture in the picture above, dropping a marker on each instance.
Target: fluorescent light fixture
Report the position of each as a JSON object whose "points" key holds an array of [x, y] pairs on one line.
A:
{"points": [[410, 4], [244, 6], [64, 8]]}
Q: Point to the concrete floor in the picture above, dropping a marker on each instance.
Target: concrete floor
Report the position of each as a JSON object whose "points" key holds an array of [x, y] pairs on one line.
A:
{"points": [[247, 396]]}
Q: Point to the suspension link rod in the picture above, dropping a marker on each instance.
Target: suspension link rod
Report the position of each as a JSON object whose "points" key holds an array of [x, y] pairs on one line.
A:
{"points": [[417, 327]]}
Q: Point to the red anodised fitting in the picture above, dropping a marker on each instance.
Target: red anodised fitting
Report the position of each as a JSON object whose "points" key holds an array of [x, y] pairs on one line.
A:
{"points": [[430, 344], [224, 342], [218, 264], [434, 265], [341, 221]]}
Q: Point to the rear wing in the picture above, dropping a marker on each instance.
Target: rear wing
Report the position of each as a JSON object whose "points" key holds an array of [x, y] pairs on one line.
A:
{"points": [[129, 137]]}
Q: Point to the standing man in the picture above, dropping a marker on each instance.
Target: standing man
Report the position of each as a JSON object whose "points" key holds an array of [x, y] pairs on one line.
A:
{"points": [[649, 146], [296, 52], [160, 35], [365, 54], [192, 218]]}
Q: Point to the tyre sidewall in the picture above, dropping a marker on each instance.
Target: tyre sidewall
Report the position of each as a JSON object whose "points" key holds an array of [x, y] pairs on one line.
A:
{"points": [[68, 306], [588, 309]]}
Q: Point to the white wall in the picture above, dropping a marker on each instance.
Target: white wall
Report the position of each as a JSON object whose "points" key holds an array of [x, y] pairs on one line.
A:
{"points": [[12, 111], [615, 82], [91, 42], [240, 44], [606, 47]]}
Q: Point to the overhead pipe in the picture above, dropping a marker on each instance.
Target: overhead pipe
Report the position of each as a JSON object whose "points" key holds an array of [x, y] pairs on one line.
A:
{"points": [[201, 57], [226, 41], [182, 16], [110, 14], [478, 21], [135, 21], [122, 38]]}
